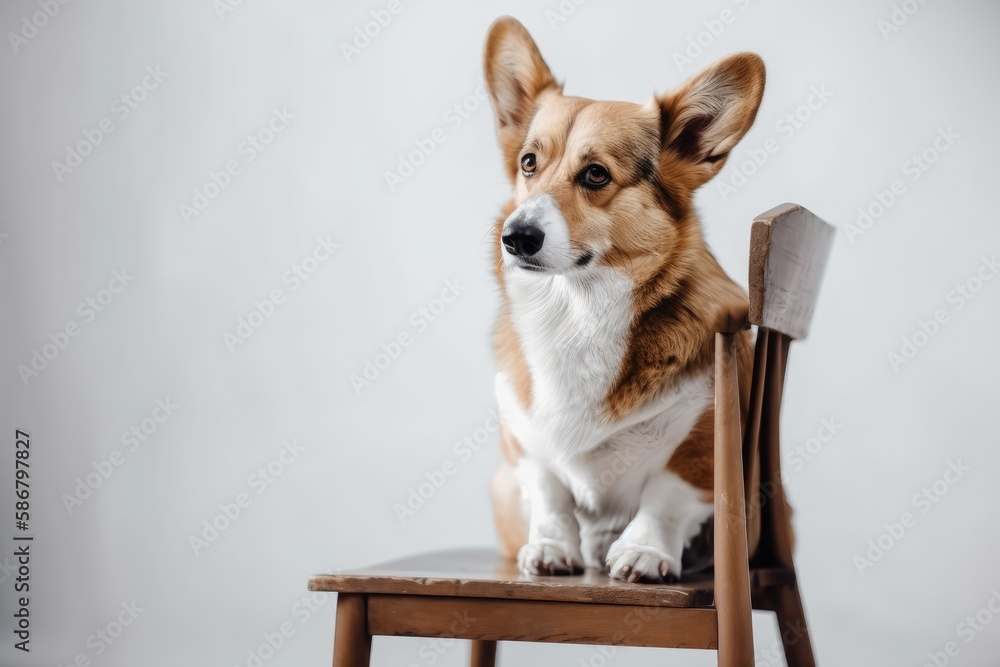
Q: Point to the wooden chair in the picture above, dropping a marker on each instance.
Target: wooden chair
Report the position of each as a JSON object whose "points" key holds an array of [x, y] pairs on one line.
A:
{"points": [[478, 596]]}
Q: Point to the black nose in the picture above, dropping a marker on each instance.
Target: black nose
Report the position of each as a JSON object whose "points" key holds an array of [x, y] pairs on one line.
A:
{"points": [[523, 240]]}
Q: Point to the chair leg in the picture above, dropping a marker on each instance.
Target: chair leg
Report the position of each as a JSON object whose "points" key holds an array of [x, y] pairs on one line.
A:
{"points": [[792, 628], [732, 574], [484, 653], [352, 645]]}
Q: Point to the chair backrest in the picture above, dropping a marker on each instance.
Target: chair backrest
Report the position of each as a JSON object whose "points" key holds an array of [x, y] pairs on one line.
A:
{"points": [[789, 247]]}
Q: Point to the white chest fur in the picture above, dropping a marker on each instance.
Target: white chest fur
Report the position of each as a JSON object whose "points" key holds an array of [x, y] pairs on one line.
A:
{"points": [[574, 332]]}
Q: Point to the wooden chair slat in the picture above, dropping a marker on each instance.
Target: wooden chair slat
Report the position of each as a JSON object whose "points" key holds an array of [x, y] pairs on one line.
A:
{"points": [[751, 442], [789, 247], [542, 621]]}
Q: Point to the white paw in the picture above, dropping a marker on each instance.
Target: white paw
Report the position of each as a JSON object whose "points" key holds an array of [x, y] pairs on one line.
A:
{"points": [[635, 562], [549, 557]]}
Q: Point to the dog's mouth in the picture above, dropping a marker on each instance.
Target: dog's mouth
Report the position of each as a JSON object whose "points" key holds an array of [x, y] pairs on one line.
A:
{"points": [[531, 264]]}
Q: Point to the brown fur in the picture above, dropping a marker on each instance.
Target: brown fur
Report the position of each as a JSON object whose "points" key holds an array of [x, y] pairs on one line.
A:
{"points": [[510, 524], [658, 154], [506, 496], [694, 458], [506, 344]]}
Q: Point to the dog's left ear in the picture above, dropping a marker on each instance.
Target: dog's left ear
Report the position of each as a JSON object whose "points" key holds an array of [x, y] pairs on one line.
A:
{"points": [[707, 116], [516, 74]]}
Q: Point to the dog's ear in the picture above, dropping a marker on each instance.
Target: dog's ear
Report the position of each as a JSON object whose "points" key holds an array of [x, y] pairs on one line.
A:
{"points": [[707, 116], [516, 75]]}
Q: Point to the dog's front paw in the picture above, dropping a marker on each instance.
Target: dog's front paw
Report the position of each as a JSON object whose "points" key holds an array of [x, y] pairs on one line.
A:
{"points": [[549, 557], [635, 562]]}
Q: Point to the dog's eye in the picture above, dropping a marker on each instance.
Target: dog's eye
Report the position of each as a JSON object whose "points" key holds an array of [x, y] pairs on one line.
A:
{"points": [[595, 176], [528, 164]]}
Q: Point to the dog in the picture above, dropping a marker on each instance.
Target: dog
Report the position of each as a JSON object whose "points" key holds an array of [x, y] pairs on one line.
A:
{"points": [[604, 341]]}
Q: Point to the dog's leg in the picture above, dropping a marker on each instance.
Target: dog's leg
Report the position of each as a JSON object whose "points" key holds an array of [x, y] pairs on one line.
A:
{"points": [[508, 511], [553, 533], [671, 512], [598, 531]]}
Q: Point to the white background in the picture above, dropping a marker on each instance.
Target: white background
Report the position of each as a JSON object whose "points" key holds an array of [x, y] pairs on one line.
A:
{"points": [[162, 337]]}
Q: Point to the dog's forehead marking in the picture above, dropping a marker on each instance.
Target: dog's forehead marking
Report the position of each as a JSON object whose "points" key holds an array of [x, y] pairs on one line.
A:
{"points": [[554, 121], [621, 130]]}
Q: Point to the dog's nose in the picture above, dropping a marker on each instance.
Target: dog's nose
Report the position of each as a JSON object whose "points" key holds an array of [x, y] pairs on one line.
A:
{"points": [[523, 240]]}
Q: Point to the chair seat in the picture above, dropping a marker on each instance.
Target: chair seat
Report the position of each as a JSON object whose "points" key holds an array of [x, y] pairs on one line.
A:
{"points": [[483, 573]]}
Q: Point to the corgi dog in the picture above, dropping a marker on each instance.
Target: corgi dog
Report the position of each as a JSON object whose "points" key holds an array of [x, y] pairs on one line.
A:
{"points": [[604, 342]]}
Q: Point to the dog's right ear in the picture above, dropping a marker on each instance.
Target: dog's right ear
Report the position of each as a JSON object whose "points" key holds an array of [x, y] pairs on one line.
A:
{"points": [[516, 75], [707, 116]]}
